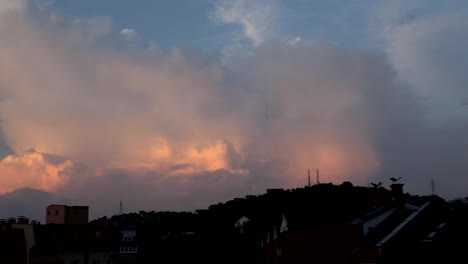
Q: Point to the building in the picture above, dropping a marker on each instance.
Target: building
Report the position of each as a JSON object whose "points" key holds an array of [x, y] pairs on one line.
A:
{"points": [[128, 246], [76, 244], [393, 230], [63, 214], [12, 246], [16, 239], [295, 240]]}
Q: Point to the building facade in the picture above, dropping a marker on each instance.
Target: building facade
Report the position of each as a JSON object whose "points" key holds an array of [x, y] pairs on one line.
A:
{"points": [[63, 214]]}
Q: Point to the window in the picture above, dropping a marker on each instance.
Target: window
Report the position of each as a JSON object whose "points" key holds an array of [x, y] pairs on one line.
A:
{"points": [[128, 249], [75, 211], [56, 212], [48, 212]]}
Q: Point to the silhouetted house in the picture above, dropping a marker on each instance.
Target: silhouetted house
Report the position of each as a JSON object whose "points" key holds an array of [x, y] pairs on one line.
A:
{"points": [[23, 241], [300, 238], [76, 244], [63, 214], [128, 246], [375, 237], [393, 233], [12, 246]]}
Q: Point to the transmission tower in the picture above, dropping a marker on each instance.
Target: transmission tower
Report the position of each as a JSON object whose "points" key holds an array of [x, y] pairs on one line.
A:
{"points": [[433, 186]]}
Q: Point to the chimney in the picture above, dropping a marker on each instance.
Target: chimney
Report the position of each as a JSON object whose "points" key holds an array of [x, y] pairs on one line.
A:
{"points": [[397, 195], [378, 197]]}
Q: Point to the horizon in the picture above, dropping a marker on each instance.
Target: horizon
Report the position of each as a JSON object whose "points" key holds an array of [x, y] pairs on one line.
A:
{"points": [[40, 211], [170, 105]]}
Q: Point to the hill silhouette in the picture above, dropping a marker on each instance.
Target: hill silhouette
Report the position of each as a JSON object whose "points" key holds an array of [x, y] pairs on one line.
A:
{"points": [[214, 229]]}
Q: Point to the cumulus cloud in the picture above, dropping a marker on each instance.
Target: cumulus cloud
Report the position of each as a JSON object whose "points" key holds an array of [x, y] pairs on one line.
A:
{"points": [[258, 18], [129, 34], [176, 115], [255, 23], [89, 28], [428, 52], [294, 42], [309, 102], [422, 41], [132, 39], [34, 169], [9, 6]]}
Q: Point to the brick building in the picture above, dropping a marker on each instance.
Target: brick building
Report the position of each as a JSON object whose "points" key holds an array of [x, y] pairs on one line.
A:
{"points": [[63, 214]]}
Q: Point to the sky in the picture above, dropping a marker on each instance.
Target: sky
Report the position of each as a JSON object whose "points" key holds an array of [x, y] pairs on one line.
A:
{"points": [[176, 105]]}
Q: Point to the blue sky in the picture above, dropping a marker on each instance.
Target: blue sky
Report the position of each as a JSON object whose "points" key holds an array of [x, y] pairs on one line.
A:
{"points": [[181, 23], [168, 23]]}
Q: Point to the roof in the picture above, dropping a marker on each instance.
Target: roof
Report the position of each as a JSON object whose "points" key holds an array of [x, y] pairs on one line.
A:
{"points": [[402, 225], [459, 200], [373, 214], [74, 206], [372, 223]]}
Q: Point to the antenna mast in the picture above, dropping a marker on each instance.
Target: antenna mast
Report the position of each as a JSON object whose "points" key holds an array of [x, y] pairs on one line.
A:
{"points": [[121, 208], [318, 176], [308, 174], [433, 186]]}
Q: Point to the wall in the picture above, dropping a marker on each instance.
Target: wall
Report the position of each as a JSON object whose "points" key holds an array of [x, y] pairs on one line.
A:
{"points": [[28, 235], [77, 215], [55, 214]]}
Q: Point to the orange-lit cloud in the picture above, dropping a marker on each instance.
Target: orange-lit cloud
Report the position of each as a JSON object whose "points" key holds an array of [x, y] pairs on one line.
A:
{"points": [[35, 170]]}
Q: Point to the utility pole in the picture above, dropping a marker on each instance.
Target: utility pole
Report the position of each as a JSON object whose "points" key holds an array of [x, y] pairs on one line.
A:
{"points": [[308, 174], [121, 208]]}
